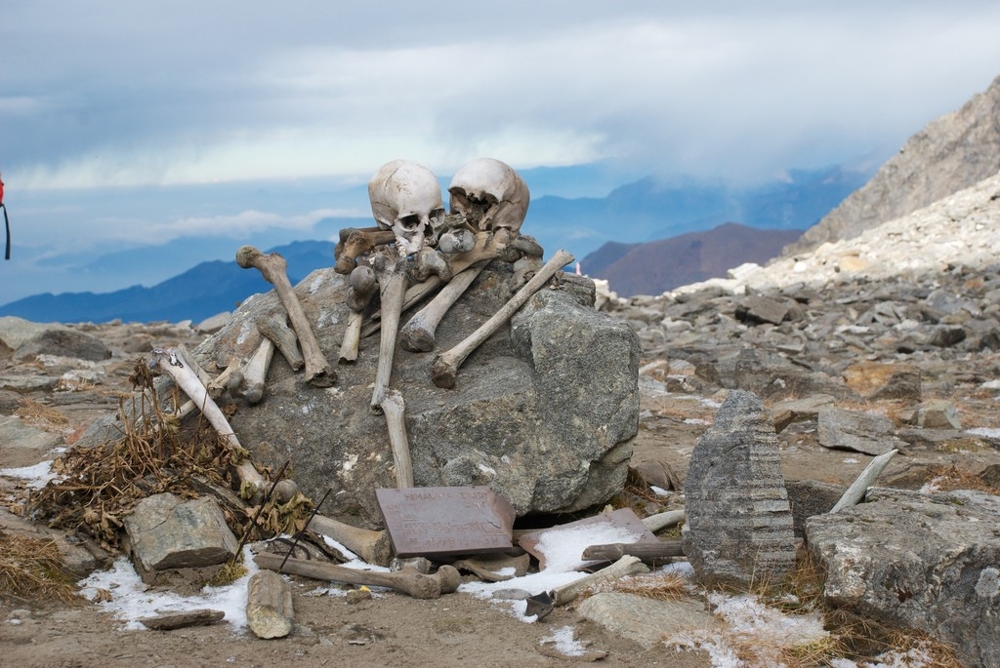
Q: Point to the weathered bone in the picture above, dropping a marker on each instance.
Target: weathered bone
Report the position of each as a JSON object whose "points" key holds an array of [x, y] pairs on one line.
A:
{"points": [[428, 261], [418, 335], [272, 267], [445, 367], [627, 565], [406, 198], [255, 371], [417, 585], [229, 380], [362, 286], [860, 486], [283, 336], [356, 241], [490, 194], [456, 241], [374, 547], [391, 271], [171, 362], [394, 408]]}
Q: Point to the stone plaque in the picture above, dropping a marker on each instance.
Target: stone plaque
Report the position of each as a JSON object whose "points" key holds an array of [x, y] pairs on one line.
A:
{"points": [[426, 521]]}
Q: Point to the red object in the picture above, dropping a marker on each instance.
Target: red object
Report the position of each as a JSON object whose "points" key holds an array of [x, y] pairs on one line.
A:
{"points": [[1, 191]]}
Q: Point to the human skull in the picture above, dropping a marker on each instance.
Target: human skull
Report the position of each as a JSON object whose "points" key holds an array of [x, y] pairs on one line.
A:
{"points": [[490, 194], [406, 198]]}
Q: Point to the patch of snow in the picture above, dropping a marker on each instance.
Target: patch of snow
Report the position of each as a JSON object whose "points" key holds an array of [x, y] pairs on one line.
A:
{"points": [[564, 642], [37, 476], [984, 431], [130, 601]]}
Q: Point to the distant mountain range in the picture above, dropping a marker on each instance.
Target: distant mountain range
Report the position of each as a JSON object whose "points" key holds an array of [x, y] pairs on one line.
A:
{"points": [[655, 267], [590, 228]]}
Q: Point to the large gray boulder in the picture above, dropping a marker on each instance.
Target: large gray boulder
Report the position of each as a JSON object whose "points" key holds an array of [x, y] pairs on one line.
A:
{"points": [[544, 412], [930, 562]]}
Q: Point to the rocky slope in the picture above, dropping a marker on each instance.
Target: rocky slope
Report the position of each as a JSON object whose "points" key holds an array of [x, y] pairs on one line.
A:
{"points": [[951, 153]]}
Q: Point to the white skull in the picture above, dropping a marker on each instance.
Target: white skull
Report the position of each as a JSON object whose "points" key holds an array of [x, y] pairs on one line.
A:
{"points": [[406, 198], [490, 195]]}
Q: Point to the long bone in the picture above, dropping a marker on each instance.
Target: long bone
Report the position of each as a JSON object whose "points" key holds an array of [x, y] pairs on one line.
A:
{"points": [[374, 547], [407, 581], [390, 268], [172, 362], [272, 267], [394, 408], [355, 241], [362, 286], [445, 367], [276, 330], [418, 335]]}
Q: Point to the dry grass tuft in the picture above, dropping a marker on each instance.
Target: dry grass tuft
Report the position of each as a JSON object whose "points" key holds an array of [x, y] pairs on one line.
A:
{"points": [[39, 414], [951, 478], [31, 570], [657, 586]]}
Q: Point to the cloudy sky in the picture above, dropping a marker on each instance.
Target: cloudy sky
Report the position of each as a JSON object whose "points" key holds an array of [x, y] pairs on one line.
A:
{"points": [[122, 97]]}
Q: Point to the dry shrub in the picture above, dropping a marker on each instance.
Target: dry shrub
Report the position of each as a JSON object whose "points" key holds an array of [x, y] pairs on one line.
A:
{"points": [[156, 453], [864, 639], [951, 478], [31, 569]]}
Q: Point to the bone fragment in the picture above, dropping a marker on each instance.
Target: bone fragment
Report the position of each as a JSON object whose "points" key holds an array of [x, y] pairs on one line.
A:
{"points": [[283, 336], [362, 286], [857, 490], [445, 367], [374, 547], [255, 371], [409, 582], [355, 241], [427, 262], [391, 271], [418, 335], [172, 363], [269, 605], [663, 520], [272, 267], [456, 241], [627, 565], [394, 408], [229, 380]]}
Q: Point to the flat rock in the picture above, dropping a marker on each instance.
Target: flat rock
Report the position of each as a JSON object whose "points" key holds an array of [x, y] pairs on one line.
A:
{"points": [[646, 621], [853, 430], [167, 533]]}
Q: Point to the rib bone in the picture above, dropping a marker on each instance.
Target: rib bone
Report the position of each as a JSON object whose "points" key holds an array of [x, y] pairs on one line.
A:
{"points": [[445, 367], [171, 362], [276, 330], [391, 271], [394, 408], [272, 266], [418, 334]]}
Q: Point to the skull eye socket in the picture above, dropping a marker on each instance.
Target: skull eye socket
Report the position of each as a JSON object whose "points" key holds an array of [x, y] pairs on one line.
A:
{"points": [[410, 223]]}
